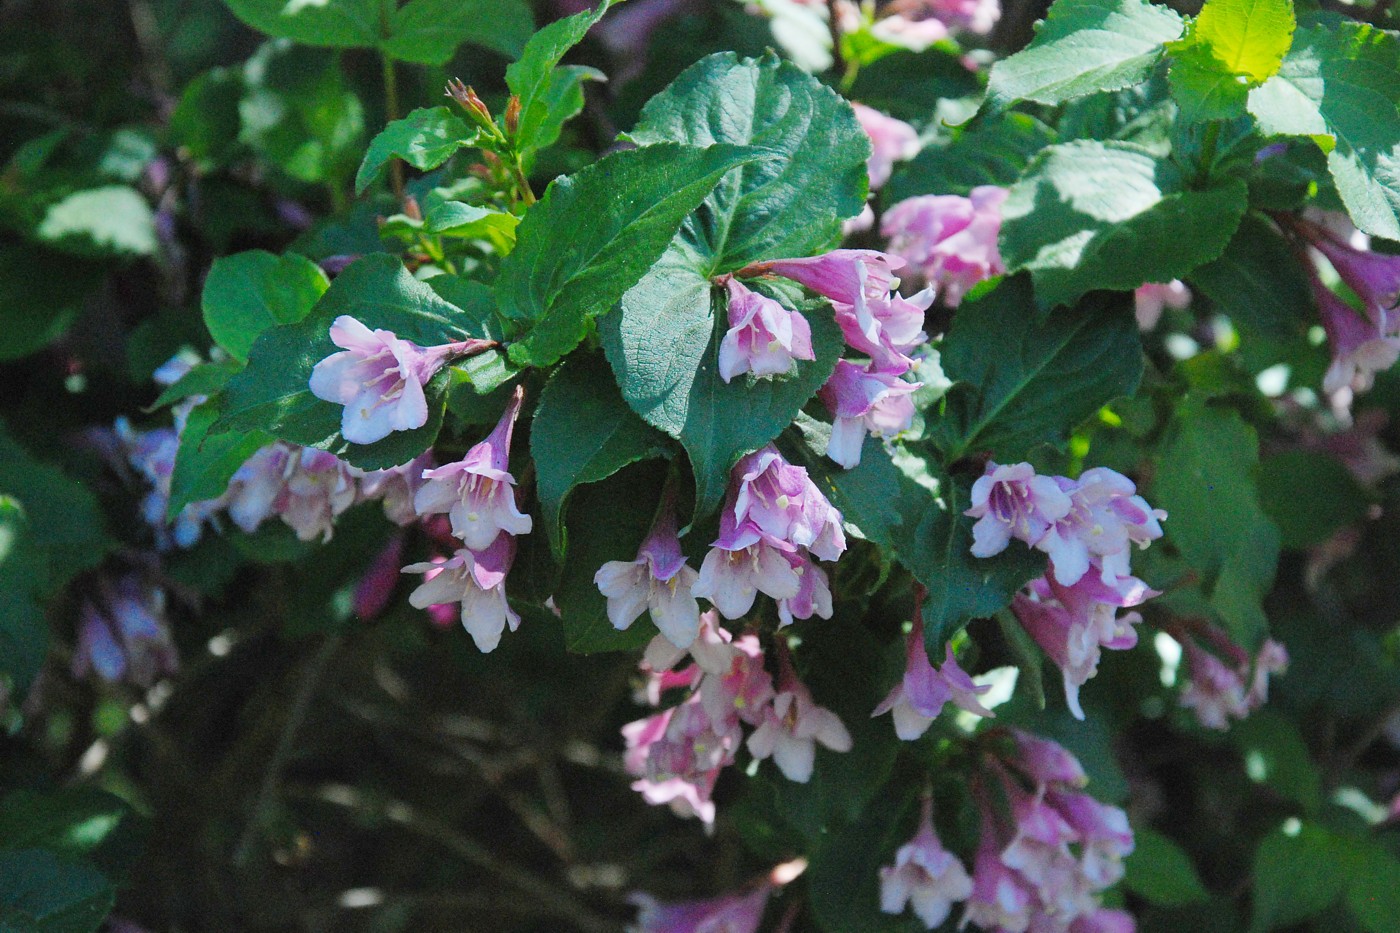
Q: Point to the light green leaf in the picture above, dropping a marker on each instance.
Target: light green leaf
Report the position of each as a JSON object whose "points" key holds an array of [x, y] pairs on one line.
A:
{"points": [[563, 100], [1247, 37], [1340, 84], [1160, 871], [595, 233], [428, 32], [533, 78], [1093, 215], [1019, 382], [335, 23], [112, 220], [468, 222], [583, 432], [1084, 46], [69, 820], [424, 139], [272, 394], [1202, 88], [247, 293], [202, 379]]}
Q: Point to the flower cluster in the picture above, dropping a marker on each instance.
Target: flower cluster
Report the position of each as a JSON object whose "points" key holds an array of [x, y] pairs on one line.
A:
{"points": [[677, 754], [950, 241], [1087, 527], [775, 520], [477, 493]]}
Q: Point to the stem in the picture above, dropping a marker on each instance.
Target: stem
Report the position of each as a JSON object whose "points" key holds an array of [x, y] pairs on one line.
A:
{"points": [[301, 705], [838, 60], [522, 184], [1208, 149], [391, 113]]}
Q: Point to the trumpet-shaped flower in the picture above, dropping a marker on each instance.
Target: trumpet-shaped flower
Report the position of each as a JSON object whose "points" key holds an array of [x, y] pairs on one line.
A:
{"points": [[864, 400], [949, 240], [763, 338], [658, 581], [477, 581], [792, 726], [925, 876], [1011, 501]]}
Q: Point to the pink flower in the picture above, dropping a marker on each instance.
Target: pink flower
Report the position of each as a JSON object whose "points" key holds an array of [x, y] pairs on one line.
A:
{"points": [[770, 496], [1011, 501], [764, 338], [253, 490], [976, 16], [916, 35], [1105, 838], [813, 596], [731, 579], [729, 913], [658, 581], [1001, 899], [925, 876], [476, 492], [920, 696], [1361, 347], [1104, 920], [885, 327], [379, 378], [1272, 659], [861, 401], [677, 756], [1215, 692], [951, 241], [1149, 300], [396, 487], [477, 581], [1045, 761], [316, 488], [891, 141], [1105, 517], [842, 275], [743, 689], [792, 726]]}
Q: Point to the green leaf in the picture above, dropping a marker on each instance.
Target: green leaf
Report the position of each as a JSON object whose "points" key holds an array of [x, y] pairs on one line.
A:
{"points": [[1295, 877], [1334, 499], [424, 139], [1019, 383], [42, 893], [1161, 872], [336, 23], [990, 152], [1248, 37], [428, 32], [1373, 889], [112, 220], [202, 379], [583, 432], [563, 100], [205, 122], [595, 233], [65, 525], [1203, 88], [24, 632], [70, 821], [1084, 46], [534, 80], [1204, 479], [911, 85], [298, 113], [1340, 84], [791, 205], [204, 464], [1275, 755], [41, 293], [843, 882], [1109, 215], [610, 519], [468, 222], [272, 394], [1257, 282], [247, 293]]}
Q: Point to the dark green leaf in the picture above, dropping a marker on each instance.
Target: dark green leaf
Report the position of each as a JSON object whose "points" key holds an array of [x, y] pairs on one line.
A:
{"points": [[992, 152], [1089, 215], [1340, 84], [1019, 383], [247, 293], [428, 32], [563, 100], [24, 632], [1275, 755], [42, 893], [583, 432], [69, 821], [1373, 890], [1085, 46], [910, 85], [202, 379], [1160, 871], [424, 139], [205, 123], [843, 882], [595, 233], [41, 292], [1333, 501], [1295, 877], [203, 464], [1257, 282]]}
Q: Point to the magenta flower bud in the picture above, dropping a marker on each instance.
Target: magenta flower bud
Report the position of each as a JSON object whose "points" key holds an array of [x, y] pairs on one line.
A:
{"points": [[1045, 761], [845, 276], [729, 913], [477, 491], [379, 378], [375, 588], [763, 338], [659, 581], [950, 241], [1011, 501], [477, 581], [924, 876], [864, 401]]}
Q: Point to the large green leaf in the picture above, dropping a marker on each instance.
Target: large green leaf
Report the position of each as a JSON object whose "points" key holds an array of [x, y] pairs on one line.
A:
{"points": [[1340, 84], [272, 394], [1257, 282], [1109, 215], [247, 293], [1334, 500], [1205, 481], [428, 32], [535, 80], [1160, 871], [595, 233], [1085, 46], [1233, 45], [299, 114], [65, 523], [1373, 889], [41, 292], [1295, 877], [790, 205], [583, 432], [43, 893], [1019, 382], [335, 23], [425, 139]]}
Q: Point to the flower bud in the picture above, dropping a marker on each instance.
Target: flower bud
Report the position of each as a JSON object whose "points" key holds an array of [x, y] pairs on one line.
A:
{"points": [[475, 107], [513, 116]]}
